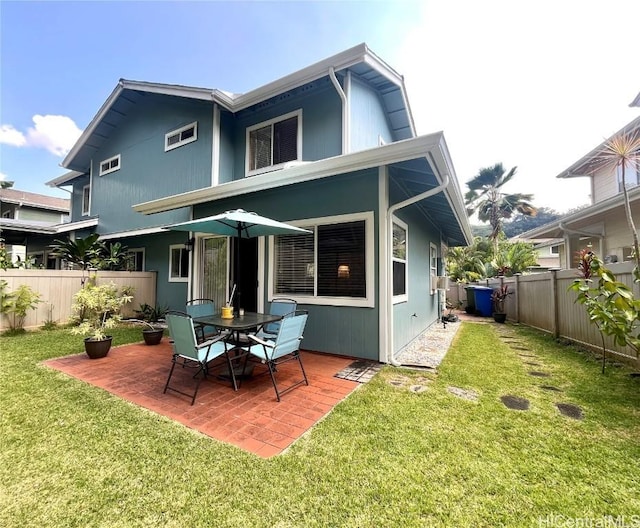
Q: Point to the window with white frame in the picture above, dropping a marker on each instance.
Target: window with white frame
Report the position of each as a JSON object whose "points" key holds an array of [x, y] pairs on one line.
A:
{"points": [[433, 267], [135, 259], [272, 143], [181, 136], [399, 261], [110, 165], [631, 175], [331, 265], [86, 200], [554, 250], [178, 263]]}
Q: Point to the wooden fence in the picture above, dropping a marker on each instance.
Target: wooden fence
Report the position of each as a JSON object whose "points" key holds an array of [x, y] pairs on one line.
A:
{"points": [[541, 300], [57, 288]]}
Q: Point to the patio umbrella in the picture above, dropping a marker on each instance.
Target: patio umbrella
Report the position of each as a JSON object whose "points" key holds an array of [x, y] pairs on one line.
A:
{"points": [[239, 224]]}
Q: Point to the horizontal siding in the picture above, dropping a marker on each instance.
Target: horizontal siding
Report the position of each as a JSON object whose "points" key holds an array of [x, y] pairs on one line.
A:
{"points": [[605, 185]]}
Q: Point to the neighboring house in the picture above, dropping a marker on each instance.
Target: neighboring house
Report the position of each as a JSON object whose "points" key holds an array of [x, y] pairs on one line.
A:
{"points": [[602, 225], [29, 223], [331, 148]]}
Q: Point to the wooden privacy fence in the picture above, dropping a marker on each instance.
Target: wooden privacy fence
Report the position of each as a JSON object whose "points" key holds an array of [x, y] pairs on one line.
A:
{"points": [[541, 300], [57, 288]]}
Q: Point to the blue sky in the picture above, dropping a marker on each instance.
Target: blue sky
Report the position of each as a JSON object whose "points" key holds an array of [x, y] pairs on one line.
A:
{"points": [[533, 84]]}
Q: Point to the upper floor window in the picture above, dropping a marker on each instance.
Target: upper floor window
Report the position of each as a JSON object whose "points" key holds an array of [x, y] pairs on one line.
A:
{"points": [[274, 142], [332, 265], [631, 175], [181, 136], [86, 199], [399, 258], [110, 165]]}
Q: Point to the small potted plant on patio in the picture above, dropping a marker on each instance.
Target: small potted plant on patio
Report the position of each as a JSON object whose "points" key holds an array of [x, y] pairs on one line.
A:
{"points": [[97, 309], [498, 298], [151, 317]]}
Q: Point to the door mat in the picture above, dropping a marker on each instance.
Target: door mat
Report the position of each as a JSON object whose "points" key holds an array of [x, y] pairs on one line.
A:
{"points": [[360, 371]]}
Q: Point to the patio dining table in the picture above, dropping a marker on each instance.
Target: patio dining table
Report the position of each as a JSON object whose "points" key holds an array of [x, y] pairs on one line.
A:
{"points": [[250, 322]]}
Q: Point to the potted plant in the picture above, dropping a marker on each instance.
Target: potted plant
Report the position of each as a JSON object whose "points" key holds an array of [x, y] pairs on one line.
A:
{"points": [[151, 316], [498, 297], [97, 309]]}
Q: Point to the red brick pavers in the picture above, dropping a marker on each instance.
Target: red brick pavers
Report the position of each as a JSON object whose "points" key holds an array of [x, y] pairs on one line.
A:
{"points": [[251, 418]]}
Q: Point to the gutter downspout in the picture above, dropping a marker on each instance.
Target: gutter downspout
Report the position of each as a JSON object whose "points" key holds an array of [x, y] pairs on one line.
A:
{"points": [[345, 117], [568, 231], [390, 212]]}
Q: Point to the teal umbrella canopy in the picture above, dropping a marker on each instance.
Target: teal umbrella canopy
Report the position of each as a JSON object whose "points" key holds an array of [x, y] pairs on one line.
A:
{"points": [[238, 223]]}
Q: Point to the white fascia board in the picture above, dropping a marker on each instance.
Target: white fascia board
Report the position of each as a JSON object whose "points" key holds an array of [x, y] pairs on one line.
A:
{"points": [[602, 207], [133, 233], [27, 226], [92, 125], [315, 71], [578, 168], [374, 157], [64, 179], [177, 90], [72, 226]]}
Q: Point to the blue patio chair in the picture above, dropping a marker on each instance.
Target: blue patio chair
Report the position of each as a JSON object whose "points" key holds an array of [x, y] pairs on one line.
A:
{"points": [[285, 347], [203, 308], [279, 306], [190, 353]]}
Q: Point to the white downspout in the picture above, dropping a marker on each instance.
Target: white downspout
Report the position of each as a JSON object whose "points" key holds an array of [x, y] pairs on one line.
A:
{"points": [[345, 109], [390, 212]]}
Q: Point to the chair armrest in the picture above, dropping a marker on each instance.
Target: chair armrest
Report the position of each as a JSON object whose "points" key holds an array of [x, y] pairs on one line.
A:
{"points": [[260, 341], [210, 342]]}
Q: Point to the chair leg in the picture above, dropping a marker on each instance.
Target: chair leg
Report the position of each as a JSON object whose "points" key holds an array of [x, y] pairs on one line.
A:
{"points": [[304, 374], [202, 368], [173, 365], [272, 368]]}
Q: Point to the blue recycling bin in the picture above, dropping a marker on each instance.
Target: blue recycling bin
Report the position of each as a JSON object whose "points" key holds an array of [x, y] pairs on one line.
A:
{"points": [[484, 305]]}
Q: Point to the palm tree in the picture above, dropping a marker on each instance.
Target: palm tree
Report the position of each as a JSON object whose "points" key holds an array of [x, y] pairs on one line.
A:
{"points": [[492, 205], [622, 152]]}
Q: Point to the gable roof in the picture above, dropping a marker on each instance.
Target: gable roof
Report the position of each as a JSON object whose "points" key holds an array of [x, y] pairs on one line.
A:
{"points": [[39, 201], [358, 59], [636, 101], [588, 163]]}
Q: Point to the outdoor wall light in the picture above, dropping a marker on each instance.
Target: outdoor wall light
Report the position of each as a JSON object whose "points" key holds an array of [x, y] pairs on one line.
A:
{"points": [[189, 244], [343, 271]]}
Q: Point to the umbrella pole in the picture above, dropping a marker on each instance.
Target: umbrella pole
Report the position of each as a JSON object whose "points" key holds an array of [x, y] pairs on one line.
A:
{"points": [[236, 278]]}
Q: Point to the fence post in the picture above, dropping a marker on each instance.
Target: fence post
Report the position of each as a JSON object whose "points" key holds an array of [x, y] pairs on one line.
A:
{"points": [[554, 304], [517, 289]]}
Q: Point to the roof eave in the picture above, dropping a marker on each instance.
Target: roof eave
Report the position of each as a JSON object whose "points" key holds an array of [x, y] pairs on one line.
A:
{"points": [[636, 101]]}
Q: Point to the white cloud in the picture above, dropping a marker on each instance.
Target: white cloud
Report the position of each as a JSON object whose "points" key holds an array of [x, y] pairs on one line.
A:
{"points": [[11, 136], [55, 133], [3, 176]]}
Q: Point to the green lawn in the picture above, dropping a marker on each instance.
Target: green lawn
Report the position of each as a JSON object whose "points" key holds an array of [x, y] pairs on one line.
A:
{"points": [[74, 455]]}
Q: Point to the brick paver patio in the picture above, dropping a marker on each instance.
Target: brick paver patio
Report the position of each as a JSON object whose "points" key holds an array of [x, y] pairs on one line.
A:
{"points": [[251, 418]]}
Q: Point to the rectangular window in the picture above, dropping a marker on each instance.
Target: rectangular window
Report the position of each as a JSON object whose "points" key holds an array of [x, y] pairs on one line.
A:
{"points": [[178, 263], [332, 265], [554, 250], [399, 261], [272, 143], [433, 267], [631, 175], [135, 259], [86, 199], [181, 136], [110, 165]]}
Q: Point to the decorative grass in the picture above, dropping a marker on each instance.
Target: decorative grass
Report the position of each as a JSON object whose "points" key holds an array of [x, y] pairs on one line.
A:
{"points": [[72, 455]]}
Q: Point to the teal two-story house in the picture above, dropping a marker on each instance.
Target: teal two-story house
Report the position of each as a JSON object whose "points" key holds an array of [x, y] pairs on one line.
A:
{"points": [[331, 148]]}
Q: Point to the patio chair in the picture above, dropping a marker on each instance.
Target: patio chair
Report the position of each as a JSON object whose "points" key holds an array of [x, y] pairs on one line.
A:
{"points": [[285, 347], [189, 353], [203, 308], [280, 306]]}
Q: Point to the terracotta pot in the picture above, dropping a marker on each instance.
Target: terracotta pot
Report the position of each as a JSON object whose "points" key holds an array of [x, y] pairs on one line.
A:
{"points": [[152, 337], [97, 349]]}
